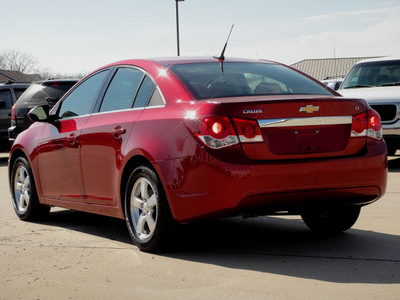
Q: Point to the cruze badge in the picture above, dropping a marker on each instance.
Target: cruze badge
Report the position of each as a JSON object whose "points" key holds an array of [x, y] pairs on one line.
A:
{"points": [[309, 109], [253, 111]]}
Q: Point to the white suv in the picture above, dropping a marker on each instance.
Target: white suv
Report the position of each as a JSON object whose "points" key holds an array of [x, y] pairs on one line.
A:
{"points": [[378, 82]]}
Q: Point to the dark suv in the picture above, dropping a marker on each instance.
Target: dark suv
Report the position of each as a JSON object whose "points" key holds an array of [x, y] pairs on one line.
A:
{"points": [[39, 93], [9, 94]]}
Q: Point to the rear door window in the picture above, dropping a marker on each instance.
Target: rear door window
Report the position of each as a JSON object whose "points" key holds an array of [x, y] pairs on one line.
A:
{"points": [[122, 90], [145, 92], [6, 98]]}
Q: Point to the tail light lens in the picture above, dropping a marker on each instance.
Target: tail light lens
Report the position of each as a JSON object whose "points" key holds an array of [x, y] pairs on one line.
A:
{"points": [[13, 112], [215, 132], [218, 132], [367, 124], [248, 130]]}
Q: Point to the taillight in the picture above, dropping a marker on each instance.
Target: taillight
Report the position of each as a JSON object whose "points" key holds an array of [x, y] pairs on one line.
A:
{"points": [[367, 124], [248, 130], [13, 112], [218, 132], [215, 132], [374, 121]]}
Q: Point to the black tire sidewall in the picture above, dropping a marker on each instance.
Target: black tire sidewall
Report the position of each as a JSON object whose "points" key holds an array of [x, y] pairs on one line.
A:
{"points": [[35, 210], [336, 221], [163, 220]]}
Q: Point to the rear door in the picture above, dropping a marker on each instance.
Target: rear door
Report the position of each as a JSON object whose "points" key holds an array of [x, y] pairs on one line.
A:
{"points": [[6, 102], [104, 137]]}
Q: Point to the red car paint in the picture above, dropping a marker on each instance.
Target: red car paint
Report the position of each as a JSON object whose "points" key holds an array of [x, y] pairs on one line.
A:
{"points": [[82, 162]]}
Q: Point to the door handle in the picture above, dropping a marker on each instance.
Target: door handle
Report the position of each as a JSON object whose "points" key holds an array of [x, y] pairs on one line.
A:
{"points": [[118, 132], [72, 139]]}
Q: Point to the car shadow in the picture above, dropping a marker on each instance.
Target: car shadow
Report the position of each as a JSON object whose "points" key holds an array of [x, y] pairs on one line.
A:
{"points": [[282, 246], [98, 225], [3, 161], [394, 163]]}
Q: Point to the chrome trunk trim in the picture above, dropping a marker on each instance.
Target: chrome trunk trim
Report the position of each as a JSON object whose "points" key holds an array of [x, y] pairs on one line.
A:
{"points": [[289, 122]]}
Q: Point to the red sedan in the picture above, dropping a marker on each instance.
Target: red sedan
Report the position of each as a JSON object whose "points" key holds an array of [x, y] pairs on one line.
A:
{"points": [[166, 141]]}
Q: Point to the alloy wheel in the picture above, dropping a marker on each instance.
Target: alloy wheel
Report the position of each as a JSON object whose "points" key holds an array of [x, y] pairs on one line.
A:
{"points": [[144, 207], [22, 189]]}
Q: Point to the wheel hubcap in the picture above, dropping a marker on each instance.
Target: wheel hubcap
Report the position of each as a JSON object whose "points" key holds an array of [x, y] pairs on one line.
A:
{"points": [[143, 209], [22, 189]]}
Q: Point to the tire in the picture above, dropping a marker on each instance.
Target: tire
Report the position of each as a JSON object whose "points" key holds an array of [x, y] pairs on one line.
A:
{"points": [[147, 212], [23, 192], [331, 221]]}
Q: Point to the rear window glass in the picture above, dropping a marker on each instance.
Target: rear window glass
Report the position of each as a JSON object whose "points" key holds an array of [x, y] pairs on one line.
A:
{"points": [[19, 91], [211, 80], [38, 93]]}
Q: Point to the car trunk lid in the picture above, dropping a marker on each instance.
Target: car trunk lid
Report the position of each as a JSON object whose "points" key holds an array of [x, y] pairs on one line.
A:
{"points": [[295, 127]]}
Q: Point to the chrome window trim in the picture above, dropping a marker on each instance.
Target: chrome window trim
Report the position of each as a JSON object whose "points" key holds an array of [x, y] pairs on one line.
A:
{"points": [[128, 109], [118, 110], [288, 122], [155, 106]]}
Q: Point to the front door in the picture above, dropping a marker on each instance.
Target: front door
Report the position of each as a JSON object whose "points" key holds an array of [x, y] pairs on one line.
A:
{"points": [[59, 160], [59, 148]]}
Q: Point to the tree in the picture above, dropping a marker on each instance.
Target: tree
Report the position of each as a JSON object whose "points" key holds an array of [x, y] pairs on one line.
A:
{"points": [[15, 60], [46, 73]]}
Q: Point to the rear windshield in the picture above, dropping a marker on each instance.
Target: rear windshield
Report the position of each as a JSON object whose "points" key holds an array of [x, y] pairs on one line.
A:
{"points": [[37, 93], [211, 80], [385, 73]]}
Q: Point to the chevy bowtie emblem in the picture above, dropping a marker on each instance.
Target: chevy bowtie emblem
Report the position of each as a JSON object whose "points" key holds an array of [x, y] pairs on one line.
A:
{"points": [[309, 109]]}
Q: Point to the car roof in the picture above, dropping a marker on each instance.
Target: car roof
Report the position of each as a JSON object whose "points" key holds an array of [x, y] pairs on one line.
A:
{"points": [[379, 59], [188, 60], [14, 84], [56, 80], [168, 61]]}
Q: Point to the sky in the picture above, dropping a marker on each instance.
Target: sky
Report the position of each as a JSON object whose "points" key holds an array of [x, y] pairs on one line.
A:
{"points": [[78, 36]]}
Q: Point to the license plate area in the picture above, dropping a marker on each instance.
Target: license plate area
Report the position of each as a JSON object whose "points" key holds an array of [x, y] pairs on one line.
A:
{"points": [[310, 139]]}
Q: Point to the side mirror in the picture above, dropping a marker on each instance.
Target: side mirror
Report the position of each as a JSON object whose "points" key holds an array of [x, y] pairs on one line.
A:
{"points": [[39, 113]]}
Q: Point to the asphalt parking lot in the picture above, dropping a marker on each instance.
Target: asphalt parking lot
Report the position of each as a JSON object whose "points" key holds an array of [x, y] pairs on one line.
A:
{"points": [[76, 255]]}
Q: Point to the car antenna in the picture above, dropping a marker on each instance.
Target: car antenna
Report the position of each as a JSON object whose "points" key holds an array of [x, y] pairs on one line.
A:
{"points": [[221, 58]]}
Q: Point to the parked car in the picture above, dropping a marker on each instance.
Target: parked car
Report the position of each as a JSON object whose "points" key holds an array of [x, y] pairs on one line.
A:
{"points": [[166, 141], [39, 93], [9, 94], [378, 81], [333, 82]]}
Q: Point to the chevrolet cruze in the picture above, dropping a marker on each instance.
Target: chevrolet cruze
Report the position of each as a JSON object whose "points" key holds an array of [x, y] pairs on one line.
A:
{"points": [[165, 141]]}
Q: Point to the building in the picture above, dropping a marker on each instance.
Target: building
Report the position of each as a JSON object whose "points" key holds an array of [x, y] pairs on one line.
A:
{"points": [[16, 76], [327, 67]]}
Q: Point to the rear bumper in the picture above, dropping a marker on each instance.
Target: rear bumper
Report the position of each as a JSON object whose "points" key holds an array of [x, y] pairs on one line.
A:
{"points": [[4, 138], [301, 201], [202, 186]]}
